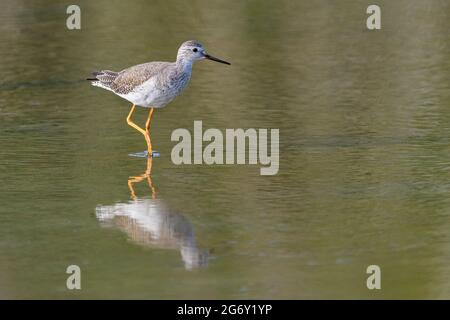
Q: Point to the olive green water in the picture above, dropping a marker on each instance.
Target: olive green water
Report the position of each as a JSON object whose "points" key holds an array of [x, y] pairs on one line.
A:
{"points": [[364, 175]]}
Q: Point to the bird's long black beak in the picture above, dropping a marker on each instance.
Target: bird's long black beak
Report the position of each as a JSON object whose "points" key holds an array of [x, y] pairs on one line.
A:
{"points": [[207, 56]]}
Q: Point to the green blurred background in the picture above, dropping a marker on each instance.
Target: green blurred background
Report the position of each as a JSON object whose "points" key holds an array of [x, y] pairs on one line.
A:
{"points": [[364, 174]]}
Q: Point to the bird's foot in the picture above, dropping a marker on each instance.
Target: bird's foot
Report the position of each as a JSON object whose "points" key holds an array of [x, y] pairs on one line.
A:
{"points": [[145, 154], [153, 154]]}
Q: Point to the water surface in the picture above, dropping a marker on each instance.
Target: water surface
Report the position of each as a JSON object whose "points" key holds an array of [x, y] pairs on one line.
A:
{"points": [[364, 173]]}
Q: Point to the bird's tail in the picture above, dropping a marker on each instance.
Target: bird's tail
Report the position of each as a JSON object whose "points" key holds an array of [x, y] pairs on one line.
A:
{"points": [[103, 78]]}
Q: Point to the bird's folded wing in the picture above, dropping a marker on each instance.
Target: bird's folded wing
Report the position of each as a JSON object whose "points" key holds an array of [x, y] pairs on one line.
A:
{"points": [[130, 78]]}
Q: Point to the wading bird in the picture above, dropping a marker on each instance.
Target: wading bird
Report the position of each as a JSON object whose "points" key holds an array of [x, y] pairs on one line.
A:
{"points": [[153, 84]]}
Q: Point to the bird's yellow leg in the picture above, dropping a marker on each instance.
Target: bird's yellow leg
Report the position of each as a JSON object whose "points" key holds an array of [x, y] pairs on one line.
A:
{"points": [[132, 124], [147, 132]]}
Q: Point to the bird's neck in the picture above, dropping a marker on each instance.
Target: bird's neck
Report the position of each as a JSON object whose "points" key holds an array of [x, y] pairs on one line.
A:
{"points": [[184, 64]]}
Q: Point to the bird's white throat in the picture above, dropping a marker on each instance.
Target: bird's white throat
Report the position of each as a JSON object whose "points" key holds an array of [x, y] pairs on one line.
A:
{"points": [[185, 64]]}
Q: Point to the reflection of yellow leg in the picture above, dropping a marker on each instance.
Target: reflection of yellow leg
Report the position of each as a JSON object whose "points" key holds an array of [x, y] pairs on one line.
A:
{"points": [[130, 186], [152, 188], [147, 131], [145, 175]]}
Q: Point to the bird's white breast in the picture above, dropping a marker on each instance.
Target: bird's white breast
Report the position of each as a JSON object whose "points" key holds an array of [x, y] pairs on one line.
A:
{"points": [[156, 93]]}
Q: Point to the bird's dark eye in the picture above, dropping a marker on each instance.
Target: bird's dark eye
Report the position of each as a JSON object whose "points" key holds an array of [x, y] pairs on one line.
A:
{"points": [[195, 49]]}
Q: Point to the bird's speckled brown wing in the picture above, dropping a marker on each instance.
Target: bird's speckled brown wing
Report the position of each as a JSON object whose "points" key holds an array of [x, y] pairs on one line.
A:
{"points": [[132, 77]]}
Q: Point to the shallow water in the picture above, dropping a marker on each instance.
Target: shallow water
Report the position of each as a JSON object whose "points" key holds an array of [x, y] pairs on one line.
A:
{"points": [[364, 152]]}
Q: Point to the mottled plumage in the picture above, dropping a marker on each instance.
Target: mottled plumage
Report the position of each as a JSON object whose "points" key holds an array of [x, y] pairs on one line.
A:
{"points": [[133, 77], [153, 84]]}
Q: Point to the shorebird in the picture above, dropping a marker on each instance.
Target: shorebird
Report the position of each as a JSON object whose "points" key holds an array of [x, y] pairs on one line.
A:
{"points": [[154, 84]]}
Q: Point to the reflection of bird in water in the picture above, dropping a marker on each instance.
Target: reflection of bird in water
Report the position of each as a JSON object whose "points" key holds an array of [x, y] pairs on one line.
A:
{"points": [[150, 222]]}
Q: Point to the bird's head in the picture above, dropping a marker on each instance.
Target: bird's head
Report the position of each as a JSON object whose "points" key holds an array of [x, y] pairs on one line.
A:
{"points": [[191, 51]]}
